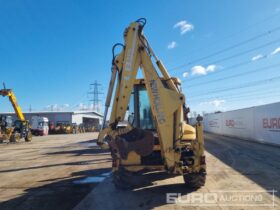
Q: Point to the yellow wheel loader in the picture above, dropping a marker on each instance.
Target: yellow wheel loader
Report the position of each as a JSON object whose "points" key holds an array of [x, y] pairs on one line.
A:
{"points": [[157, 135]]}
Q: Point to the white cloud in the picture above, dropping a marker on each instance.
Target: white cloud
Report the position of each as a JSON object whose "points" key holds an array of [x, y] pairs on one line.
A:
{"points": [[51, 107], [185, 74], [276, 51], [215, 103], [211, 68], [257, 57], [184, 26], [172, 45], [201, 70], [198, 70], [82, 106], [56, 107]]}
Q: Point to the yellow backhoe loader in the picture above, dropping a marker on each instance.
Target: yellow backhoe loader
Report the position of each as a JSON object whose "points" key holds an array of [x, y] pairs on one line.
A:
{"points": [[21, 127], [157, 135]]}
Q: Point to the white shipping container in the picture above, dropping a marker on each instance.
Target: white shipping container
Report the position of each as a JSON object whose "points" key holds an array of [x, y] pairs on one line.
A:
{"points": [[261, 123]]}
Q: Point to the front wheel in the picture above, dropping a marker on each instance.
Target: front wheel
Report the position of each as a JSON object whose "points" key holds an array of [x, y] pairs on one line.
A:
{"points": [[28, 137], [195, 180]]}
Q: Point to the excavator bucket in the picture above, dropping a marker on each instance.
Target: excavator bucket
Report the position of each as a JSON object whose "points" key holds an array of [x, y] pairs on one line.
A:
{"points": [[138, 140]]}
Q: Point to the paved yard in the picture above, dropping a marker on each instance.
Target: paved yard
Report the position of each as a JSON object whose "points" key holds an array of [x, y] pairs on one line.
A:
{"points": [[42, 174], [67, 171], [235, 168]]}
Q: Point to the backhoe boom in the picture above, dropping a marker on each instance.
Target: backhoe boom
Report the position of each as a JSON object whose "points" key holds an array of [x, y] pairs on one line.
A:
{"points": [[167, 105]]}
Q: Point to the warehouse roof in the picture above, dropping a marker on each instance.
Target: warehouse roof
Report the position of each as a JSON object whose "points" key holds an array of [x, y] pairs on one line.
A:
{"points": [[54, 112]]}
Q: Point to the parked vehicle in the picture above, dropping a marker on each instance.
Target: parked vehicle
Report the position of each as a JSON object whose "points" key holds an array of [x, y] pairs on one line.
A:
{"points": [[39, 126], [60, 127], [51, 128]]}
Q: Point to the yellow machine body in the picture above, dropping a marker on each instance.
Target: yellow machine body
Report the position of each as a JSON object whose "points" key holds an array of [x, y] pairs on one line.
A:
{"points": [[23, 131], [179, 147]]}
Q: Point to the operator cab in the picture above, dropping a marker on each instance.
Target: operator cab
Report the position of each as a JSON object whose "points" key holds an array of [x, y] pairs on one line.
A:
{"points": [[139, 109], [21, 126], [6, 121]]}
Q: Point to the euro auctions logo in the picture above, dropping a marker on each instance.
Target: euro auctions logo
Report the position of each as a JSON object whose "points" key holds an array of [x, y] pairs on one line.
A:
{"points": [[230, 123], [271, 123], [238, 123], [213, 123], [224, 198]]}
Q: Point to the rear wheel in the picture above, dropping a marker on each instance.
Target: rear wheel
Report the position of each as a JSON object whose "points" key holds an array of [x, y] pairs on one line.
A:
{"points": [[195, 180], [123, 179]]}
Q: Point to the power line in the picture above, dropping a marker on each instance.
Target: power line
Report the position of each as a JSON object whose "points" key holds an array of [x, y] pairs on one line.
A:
{"points": [[236, 75], [237, 95], [231, 67], [235, 33], [274, 97], [246, 51], [254, 97], [223, 97], [250, 26], [257, 89], [217, 72], [79, 101], [251, 84], [229, 48]]}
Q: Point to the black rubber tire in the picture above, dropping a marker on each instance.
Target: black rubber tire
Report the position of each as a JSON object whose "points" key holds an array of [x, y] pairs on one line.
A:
{"points": [[122, 178], [195, 180], [15, 137], [28, 137]]}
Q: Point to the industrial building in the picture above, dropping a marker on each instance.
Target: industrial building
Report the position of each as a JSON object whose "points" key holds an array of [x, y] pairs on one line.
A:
{"points": [[88, 118]]}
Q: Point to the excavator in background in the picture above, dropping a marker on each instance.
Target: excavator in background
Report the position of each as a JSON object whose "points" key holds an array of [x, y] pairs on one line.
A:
{"points": [[21, 127], [157, 135]]}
